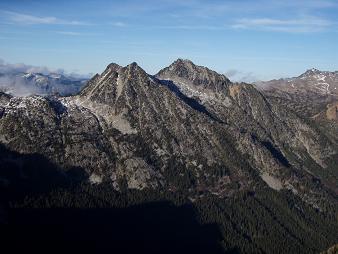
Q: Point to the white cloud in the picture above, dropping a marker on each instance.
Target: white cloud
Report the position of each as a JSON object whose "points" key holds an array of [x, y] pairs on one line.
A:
{"points": [[24, 19], [17, 86], [212, 9], [241, 76], [301, 25], [308, 4], [20, 67], [69, 33], [119, 24], [8, 68], [191, 27], [12, 81]]}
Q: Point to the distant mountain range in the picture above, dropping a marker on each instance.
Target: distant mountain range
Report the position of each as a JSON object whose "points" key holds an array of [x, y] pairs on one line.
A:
{"points": [[250, 160], [23, 84], [314, 81], [313, 95], [309, 94]]}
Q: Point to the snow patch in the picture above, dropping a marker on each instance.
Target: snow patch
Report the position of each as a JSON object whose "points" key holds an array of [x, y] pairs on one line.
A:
{"points": [[320, 77], [95, 179], [204, 95], [323, 86], [119, 87], [120, 123], [101, 111]]}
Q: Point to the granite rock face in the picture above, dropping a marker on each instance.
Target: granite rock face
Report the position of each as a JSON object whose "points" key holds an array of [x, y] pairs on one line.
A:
{"points": [[186, 128]]}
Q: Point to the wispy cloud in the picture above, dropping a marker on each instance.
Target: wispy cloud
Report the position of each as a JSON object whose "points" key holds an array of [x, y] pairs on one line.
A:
{"points": [[191, 27], [69, 33], [171, 27], [8, 68], [300, 25], [21, 67], [212, 9], [241, 76], [25, 19], [307, 4], [300, 16], [119, 24]]}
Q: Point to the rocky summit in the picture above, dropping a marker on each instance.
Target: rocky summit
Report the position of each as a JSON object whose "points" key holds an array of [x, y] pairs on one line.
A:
{"points": [[184, 130]]}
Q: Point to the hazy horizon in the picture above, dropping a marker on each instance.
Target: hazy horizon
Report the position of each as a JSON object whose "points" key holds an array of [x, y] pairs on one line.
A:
{"points": [[7, 68]]}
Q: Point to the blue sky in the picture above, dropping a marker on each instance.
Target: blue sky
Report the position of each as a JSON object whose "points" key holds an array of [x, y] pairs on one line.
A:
{"points": [[245, 39]]}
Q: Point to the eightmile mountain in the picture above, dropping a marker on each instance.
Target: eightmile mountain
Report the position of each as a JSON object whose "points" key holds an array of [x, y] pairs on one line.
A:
{"points": [[184, 161]]}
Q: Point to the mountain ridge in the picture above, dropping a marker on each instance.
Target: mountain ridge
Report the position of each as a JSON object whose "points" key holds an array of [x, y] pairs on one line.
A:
{"points": [[138, 105], [312, 80]]}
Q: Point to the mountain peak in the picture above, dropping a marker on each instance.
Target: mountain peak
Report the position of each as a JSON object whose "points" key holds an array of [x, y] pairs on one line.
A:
{"points": [[311, 72], [135, 71], [113, 67], [185, 71], [184, 61], [108, 87], [134, 67], [133, 64], [313, 80]]}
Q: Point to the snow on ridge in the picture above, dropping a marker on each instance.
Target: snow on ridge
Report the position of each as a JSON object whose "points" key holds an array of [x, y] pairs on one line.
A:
{"points": [[102, 112], [320, 77], [204, 96]]}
